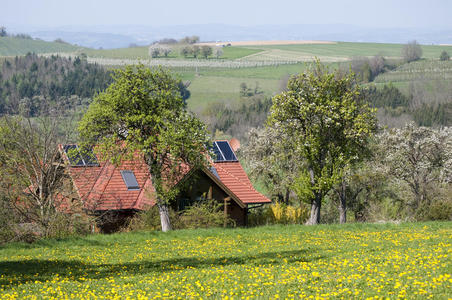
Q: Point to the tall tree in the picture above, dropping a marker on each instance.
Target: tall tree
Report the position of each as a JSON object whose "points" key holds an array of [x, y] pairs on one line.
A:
{"points": [[142, 111], [411, 51], [420, 157], [32, 171], [206, 51], [327, 125]]}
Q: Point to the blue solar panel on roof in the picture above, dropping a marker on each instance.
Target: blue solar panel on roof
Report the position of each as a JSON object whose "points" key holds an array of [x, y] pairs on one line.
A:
{"points": [[89, 157], [85, 158], [218, 155], [226, 150], [75, 159], [130, 180]]}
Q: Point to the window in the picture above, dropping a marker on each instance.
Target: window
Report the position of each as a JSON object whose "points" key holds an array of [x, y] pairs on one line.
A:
{"points": [[130, 180]]}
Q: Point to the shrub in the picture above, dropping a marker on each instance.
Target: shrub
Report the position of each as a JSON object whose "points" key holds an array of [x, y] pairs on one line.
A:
{"points": [[149, 219], [444, 56], [205, 214], [278, 213], [411, 51]]}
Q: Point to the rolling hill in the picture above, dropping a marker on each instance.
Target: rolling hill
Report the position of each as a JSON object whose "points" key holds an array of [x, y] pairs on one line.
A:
{"points": [[12, 46]]}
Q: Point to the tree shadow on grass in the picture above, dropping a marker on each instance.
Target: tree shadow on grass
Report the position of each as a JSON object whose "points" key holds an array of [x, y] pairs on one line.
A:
{"points": [[18, 272]]}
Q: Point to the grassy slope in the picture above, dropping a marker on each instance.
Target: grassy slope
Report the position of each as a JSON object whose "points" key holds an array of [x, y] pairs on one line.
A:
{"points": [[10, 46], [343, 49], [206, 89], [329, 261]]}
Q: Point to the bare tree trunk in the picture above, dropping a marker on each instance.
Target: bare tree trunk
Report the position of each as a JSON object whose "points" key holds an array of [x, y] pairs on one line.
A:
{"points": [[342, 204], [164, 217], [316, 203], [286, 200]]}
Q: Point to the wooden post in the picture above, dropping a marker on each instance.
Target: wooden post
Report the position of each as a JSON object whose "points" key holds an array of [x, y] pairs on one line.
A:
{"points": [[210, 192], [226, 200]]}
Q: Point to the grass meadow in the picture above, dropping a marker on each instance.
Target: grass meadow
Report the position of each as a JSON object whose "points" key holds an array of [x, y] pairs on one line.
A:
{"points": [[410, 260]]}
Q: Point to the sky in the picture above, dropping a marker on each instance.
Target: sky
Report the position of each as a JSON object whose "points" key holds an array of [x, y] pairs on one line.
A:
{"points": [[435, 14]]}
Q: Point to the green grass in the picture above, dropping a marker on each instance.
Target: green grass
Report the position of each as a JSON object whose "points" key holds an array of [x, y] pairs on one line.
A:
{"points": [[207, 89], [345, 49], [327, 261], [10, 46]]}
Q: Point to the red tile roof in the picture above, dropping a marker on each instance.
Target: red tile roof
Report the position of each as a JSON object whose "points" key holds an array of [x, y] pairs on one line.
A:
{"points": [[234, 177], [102, 187]]}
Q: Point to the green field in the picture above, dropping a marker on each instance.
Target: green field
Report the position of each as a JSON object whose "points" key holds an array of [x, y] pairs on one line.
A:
{"points": [[206, 89], [348, 50], [11, 46], [143, 53], [325, 262], [303, 52]]}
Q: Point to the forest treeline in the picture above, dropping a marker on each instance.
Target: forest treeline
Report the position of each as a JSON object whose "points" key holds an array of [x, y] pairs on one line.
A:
{"points": [[25, 81], [235, 120]]}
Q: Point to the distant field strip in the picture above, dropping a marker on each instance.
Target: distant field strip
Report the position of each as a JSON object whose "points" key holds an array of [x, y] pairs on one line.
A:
{"points": [[177, 63], [290, 56]]}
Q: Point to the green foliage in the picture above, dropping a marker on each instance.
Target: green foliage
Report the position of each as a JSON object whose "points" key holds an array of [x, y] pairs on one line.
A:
{"points": [[149, 220], [278, 213], [206, 51], [271, 161], [143, 111], [444, 56], [25, 82], [434, 114], [204, 214], [418, 162], [328, 126], [236, 120], [387, 97], [412, 51]]}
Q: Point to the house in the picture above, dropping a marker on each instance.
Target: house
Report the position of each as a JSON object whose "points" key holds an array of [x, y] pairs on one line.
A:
{"points": [[120, 191]]}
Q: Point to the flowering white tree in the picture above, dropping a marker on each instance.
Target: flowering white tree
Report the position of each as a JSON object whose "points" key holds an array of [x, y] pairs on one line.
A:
{"points": [[421, 157]]}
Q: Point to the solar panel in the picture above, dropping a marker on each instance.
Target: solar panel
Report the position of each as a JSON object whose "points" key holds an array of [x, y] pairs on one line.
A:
{"points": [[130, 180], [218, 155], [80, 158], [226, 150], [223, 151], [75, 159], [89, 157]]}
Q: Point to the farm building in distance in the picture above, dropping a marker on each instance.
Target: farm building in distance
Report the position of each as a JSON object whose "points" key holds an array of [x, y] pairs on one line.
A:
{"points": [[125, 189]]}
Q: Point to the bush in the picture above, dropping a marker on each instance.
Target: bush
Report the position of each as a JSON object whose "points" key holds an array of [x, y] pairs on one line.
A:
{"points": [[205, 214], [411, 51], [149, 219], [278, 213], [444, 56]]}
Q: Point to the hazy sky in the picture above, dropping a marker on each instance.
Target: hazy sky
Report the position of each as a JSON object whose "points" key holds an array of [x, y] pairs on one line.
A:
{"points": [[374, 13]]}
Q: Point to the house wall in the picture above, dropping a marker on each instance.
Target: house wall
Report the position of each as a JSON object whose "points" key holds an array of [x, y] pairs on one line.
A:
{"points": [[200, 189], [113, 221]]}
